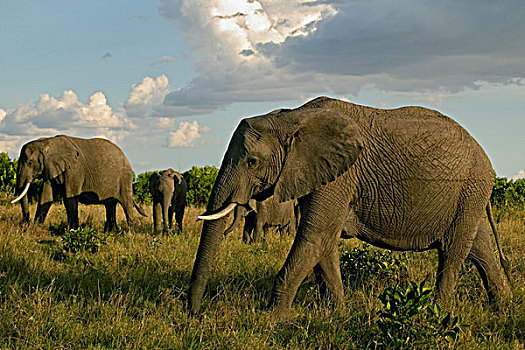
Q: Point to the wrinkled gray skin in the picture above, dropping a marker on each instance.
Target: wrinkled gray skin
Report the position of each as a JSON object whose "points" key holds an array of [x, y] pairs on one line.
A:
{"points": [[411, 179], [89, 171], [168, 190], [266, 214]]}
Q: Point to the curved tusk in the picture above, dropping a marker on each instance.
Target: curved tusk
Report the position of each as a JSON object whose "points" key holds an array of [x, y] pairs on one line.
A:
{"points": [[218, 215], [22, 195]]}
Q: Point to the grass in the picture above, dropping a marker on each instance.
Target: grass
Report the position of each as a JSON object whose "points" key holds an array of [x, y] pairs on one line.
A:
{"points": [[131, 293]]}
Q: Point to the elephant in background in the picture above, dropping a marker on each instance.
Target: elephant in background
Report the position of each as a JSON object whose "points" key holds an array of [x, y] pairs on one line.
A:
{"points": [[168, 190], [89, 171], [265, 214], [410, 178]]}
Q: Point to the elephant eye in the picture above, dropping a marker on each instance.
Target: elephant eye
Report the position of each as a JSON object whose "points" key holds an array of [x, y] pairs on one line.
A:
{"points": [[252, 162]]}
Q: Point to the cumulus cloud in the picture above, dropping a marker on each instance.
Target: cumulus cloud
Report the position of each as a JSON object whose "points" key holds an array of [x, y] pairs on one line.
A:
{"points": [[253, 50], [66, 114], [145, 95], [187, 134]]}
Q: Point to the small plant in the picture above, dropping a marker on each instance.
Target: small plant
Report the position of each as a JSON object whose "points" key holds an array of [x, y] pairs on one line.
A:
{"points": [[359, 264], [409, 320], [83, 238]]}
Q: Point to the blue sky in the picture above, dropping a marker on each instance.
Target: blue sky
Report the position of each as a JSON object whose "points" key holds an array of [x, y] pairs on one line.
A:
{"points": [[169, 80]]}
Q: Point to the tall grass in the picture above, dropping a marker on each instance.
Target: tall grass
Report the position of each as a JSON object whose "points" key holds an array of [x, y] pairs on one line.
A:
{"points": [[131, 293]]}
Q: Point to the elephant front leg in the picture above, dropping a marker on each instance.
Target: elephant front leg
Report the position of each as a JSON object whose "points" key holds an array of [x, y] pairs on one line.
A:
{"points": [[71, 205], [41, 212], [157, 216], [179, 215], [315, 245]]}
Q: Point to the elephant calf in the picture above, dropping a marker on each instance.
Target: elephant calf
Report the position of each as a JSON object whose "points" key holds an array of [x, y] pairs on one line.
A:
{"points": [[265, 214], [168, 190]]}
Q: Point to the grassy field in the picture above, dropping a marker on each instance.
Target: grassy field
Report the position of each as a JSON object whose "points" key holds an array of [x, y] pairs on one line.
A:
{"points": [[131, 293]]}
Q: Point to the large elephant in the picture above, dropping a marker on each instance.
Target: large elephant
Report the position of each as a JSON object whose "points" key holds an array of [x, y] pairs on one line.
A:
{"points": [[412, 179], [89, 171], [168, 190], [267, 213]]}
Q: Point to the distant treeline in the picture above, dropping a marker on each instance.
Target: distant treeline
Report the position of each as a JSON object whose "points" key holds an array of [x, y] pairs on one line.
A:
{"points": [[506, 193]]}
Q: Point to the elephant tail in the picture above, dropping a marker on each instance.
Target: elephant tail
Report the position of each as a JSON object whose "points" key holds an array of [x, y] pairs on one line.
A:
{"points": [[502, 258], [139, 208]]}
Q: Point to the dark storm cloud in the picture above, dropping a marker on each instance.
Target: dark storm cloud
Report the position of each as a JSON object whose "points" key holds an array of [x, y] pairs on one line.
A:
{"points": [[402, 45], [453, 43]]}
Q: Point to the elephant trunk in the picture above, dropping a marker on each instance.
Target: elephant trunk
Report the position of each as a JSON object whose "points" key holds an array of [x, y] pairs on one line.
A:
{"points": [[166, 201], [212, 233]]}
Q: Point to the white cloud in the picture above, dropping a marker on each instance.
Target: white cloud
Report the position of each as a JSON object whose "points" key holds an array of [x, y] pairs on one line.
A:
{"points": [[145, 95], [187, 134], [255, 50], [64, 115], [519, 175]]}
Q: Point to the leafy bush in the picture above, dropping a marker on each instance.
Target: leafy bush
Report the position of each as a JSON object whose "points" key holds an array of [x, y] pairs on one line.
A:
{"points": [[359, 264], [508, 193], [200, 182], [409, 320], [141, 187], [7, 173], [83, 238]]}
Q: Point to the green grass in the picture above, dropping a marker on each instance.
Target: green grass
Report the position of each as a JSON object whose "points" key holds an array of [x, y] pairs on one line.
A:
{"points": [[131, 293]]}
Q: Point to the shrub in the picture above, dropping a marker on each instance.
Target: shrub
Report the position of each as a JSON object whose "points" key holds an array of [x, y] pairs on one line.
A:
{"points": [[359, 264], [7, 173], [409, 320], [508, 193], [83, 238], [141, 187], [200, 182]]}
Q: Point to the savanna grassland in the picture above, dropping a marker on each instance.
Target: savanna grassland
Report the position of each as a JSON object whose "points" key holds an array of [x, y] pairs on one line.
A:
{"points": [[130, 294]]}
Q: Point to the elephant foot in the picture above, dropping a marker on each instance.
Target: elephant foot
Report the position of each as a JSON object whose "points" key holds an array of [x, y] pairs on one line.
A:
{"points": [[279, 313]]}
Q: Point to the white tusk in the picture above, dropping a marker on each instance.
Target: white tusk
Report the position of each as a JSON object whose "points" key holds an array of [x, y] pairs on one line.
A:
{"points": [[218, 215], [22, 195]]}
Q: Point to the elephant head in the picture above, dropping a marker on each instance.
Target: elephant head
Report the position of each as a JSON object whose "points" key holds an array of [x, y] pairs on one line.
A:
{"points": [[286, 153], [46, 159]]}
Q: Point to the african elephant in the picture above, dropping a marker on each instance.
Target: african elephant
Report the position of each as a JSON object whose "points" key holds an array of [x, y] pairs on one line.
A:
{"points": [[168, 190], [89, 171], [412, 179], [266, 214]]}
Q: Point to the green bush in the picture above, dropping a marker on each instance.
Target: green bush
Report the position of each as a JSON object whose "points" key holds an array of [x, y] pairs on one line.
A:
{"points": [[7, 173], [141, 187], [83, 238], [508, 193], [359, 264], [200, 182], [408, 320]]}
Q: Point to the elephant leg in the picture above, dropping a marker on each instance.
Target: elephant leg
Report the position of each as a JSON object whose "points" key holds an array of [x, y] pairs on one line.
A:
{"points": [[259, 230], [41, 212], [456, 246], [318, 233], [127, 206], [482, 255], [249, 225], [179, 215], [328, 276], [171, 211], [111, 217], [71, 205], [157, 216]]}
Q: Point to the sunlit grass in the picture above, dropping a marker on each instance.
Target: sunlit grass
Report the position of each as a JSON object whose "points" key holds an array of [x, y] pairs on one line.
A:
{"points": [[131, 294]]}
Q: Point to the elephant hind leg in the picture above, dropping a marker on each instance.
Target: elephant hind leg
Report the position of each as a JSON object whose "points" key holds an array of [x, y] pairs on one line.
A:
{"points": [[179, 215], [328, 276], [111, 217], [71, 205], [127, 206], [482, 255], [456, 246]]}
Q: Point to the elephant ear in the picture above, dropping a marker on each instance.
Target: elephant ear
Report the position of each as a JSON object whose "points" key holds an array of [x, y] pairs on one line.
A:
{"points": [[177, 178], [322, 145], [152, 181], [60, 154]]}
